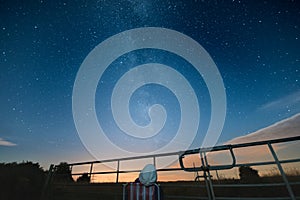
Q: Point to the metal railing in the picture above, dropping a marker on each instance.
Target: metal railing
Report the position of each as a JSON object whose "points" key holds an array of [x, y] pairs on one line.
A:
{"points": [[206, 168]]}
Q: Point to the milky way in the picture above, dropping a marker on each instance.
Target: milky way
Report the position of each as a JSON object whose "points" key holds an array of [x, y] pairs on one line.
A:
{"points": [[255, 46]]}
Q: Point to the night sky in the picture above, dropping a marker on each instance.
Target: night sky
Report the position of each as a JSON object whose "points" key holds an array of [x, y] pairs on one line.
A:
{"points": [[254, 44]]}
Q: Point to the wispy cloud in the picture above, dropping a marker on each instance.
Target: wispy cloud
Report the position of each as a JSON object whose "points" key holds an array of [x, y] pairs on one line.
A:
{"points": [[6, 143], [283, 102], [286, 128]]}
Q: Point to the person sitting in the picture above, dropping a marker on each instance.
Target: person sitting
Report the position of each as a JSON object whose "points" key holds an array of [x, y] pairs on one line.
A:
{"points": [[144, 187], [148, 175]]}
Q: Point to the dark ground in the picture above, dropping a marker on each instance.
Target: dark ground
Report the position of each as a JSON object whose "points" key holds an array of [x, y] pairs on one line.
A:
{"points": [[177, 190]]}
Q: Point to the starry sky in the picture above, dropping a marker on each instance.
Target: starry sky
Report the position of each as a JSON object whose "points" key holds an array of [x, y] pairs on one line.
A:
{"points": [[254, 44]]}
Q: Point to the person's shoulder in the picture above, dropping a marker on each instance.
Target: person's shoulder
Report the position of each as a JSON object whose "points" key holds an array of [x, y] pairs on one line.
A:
{"points": [[137, 180]]}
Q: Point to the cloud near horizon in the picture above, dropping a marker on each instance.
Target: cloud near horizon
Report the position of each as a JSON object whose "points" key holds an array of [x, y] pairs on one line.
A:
{"points": [[289, 127], [6, 143]]}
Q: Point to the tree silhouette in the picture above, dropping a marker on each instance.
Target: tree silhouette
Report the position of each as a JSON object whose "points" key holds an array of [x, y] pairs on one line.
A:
{"points": [[84, 178], [21, 181], [247, 174], [63, 173]]}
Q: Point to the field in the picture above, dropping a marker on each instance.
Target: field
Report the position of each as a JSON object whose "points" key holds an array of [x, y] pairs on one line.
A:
{"points": [[270, 187]]}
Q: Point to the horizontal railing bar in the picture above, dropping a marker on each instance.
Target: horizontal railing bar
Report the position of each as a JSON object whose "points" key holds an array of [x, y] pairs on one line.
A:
{"points": [[179, 169], [169, 169], [250, 185], [126, 171], [274, 141], [129, 158], [178, 153], [267, 163], [248, 144], [294, 183]]}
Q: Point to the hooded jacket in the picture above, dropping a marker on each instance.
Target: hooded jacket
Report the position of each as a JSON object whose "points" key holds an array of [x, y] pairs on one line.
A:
{"points": [[148, 175]]}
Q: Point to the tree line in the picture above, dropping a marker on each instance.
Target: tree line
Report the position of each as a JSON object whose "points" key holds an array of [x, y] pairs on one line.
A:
{"points": [[26, 180]]}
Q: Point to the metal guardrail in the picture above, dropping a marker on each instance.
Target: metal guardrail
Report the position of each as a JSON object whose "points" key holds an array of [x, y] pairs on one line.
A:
{"points": [[230, 148], [208, 167], [205, 166]]}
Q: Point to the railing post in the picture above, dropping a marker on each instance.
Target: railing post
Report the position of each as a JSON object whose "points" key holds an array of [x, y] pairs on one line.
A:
{"points": [[209, 177], [209, 194], [118, 169], [288, 186], [91, 170], [217, 174]]}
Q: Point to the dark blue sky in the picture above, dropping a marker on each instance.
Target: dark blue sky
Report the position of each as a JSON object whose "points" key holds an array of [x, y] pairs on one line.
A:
{"points": [[255, 45]]}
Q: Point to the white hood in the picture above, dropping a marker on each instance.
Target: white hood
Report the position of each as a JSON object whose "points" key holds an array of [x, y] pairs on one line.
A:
{"points": [[148, 175]]}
